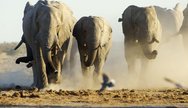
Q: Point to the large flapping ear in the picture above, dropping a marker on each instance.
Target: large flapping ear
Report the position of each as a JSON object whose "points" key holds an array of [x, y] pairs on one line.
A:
{"points": [[106, 34], [77, 28], [28, 6], [36, 9]]}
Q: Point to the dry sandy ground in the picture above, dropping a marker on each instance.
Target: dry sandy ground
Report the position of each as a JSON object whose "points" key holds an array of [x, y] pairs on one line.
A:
{"points": [[86, 98]]}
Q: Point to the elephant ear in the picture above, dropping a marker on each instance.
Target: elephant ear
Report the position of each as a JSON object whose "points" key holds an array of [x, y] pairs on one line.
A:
{"points": [[106, 33], [77, 28], [28, 7], [36, 13], [106, 37]]}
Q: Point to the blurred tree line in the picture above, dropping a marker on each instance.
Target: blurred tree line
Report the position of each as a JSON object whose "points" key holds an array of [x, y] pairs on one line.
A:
{"points": [[8, 48]]}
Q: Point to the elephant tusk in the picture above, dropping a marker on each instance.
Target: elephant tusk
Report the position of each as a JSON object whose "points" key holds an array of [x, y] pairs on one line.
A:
{"points": [[59, 48], [19, 44], [153, 40]]}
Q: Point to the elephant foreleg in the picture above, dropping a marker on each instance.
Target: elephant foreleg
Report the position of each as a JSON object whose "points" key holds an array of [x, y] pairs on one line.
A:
{"points": [[23, 59], [98, 71], [40, 71]]}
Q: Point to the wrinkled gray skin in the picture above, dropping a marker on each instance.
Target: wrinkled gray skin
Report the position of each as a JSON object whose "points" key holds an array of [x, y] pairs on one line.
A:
{"points": [[47, 28], [94, 38], [170, 20], [142, 33], [184, 28]]}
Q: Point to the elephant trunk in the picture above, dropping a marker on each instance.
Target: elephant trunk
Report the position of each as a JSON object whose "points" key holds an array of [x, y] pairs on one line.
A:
{"points": [[48, 60], [90, 58], [92, 45], [151, 55]]}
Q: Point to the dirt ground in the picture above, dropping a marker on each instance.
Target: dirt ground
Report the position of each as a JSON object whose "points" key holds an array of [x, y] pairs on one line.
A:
{"points": [[124, 97]]}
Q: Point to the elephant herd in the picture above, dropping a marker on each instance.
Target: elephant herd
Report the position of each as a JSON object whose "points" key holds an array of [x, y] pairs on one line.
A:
{"points": [[49, 26]]}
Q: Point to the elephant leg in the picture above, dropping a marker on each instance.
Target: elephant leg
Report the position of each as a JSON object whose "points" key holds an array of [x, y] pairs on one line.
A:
{"points": [[130, 52], [29, 56], [98, 71], [35, 76], [23, 59], [65, 55], [74, 50], [143, 72], [40, 73], [99, 63]]}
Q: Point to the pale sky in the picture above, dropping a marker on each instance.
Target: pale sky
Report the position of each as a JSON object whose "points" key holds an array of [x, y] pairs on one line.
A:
{"points": [[12, 13]]}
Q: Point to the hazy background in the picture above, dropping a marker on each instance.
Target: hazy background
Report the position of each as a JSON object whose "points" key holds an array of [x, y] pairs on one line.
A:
{"points": [[12, 13]]}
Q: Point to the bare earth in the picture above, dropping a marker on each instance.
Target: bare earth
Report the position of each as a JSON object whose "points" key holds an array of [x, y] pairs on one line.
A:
{"points": [[124, 97]]}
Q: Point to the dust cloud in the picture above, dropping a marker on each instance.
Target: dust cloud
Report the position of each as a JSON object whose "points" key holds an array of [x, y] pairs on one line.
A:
{"points": [[171, 62], [12, 74]]}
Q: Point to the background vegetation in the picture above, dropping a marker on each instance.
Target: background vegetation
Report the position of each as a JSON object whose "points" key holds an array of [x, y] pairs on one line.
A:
{"points": [[8, 48]]}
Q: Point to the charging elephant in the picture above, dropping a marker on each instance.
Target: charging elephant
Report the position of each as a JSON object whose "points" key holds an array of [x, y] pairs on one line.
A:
{"points": [[142, 32], [47, 29], [94, 39]]}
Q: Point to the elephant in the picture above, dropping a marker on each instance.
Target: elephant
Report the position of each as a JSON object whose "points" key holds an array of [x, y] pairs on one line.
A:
{"points": [[184, 28], [94, 39], [171, 21], [142, 35], [47, 28]]}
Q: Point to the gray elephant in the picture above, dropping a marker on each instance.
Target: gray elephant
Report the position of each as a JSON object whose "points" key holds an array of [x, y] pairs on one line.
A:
{"points": [[47, 29], [170, 20], [94, 39], [142, 32]]}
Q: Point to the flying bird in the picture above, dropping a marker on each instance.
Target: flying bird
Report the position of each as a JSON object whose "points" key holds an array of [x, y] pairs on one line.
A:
{"points": [[107, 83]]}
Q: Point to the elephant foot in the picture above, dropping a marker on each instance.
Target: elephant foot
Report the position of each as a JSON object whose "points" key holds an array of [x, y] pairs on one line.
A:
{"points": [[33, 85], [29, 65], [17, 61]]}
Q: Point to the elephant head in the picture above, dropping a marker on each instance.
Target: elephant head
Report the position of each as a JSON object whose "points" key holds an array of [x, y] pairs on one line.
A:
{"points": [[141, 26], [87, 33], [150, 33]]}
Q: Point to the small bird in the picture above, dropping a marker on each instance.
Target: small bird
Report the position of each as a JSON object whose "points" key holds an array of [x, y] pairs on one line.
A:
{"points": [[178, 85], [107, 83]]}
